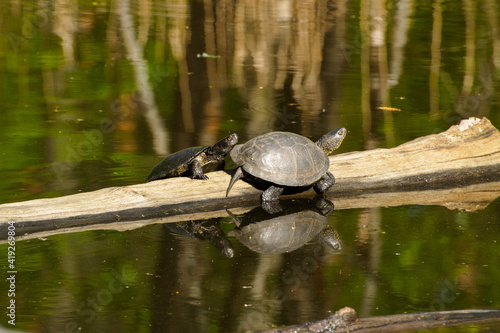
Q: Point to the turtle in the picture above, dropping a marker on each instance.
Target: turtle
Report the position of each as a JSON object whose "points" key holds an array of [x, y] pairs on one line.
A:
{"points": [[194, 161], [281, 160], [209, 230], [297, 223]]}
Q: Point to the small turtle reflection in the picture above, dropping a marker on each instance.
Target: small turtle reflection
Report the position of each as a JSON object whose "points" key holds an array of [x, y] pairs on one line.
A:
{"points": [[208, 230], [288, 228]]}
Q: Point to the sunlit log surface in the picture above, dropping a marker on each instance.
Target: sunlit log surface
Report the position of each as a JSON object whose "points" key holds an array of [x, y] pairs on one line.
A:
{"points": [[458, 168], [345, 320]]}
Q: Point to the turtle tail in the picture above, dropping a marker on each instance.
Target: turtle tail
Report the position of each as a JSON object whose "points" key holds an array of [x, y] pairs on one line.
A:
{"points": [[237, 175]]}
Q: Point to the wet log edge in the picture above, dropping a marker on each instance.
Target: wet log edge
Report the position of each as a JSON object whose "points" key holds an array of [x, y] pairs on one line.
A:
{"points": [[157, 214]]}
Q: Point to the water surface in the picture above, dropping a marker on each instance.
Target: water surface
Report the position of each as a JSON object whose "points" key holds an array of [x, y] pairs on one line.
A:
{"points": [[94, 94]]}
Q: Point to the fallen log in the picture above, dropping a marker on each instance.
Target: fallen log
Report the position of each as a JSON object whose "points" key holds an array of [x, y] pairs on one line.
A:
{"points": [[471, 197], [345, 320], [458, 168]]}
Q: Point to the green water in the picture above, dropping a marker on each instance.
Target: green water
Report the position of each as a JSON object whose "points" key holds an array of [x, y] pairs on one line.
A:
{"points": [[85, 106]]}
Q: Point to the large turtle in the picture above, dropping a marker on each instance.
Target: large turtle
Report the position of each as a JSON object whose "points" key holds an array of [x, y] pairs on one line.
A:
{"points": [[195, 161], [298, 222], [280, 160]]}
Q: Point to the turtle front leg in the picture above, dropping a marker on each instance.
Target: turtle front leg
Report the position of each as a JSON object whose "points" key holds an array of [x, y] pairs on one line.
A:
{"points": [[272, 193], [324, 183], [197, 170]]}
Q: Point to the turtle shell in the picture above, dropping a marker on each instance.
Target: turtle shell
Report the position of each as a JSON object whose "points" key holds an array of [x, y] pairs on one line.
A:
{"points": [[281, 234], [177, 164], [282, 158]]}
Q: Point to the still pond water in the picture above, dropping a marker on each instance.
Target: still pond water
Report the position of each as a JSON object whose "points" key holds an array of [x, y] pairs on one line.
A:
{"points": [[94, 94]]}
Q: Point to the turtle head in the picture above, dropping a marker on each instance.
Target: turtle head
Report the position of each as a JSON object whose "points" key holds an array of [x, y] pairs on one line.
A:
{"points": [[330, 237], [332, 140], [225, 145]]}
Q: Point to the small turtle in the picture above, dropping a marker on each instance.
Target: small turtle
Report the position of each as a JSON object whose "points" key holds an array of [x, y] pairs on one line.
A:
{"points": [[208, 230], [195, 161], [280, 160], [298, 222]]}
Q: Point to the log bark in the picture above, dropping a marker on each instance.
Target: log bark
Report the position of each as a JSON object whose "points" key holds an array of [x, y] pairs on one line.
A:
{"points": [[345, 320], [458, 168]]}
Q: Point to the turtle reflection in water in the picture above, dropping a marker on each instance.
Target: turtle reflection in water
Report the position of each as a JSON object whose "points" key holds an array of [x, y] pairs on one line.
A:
{"points": [[208, 230], [294, 225]]}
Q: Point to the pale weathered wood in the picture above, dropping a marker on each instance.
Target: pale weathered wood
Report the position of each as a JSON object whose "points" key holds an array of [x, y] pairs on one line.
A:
{"points": [[462, 155], [464, 159]]}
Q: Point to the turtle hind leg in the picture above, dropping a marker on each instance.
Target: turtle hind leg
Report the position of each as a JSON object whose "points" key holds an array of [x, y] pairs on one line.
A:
{"points": [[197, 171], [237, 175], [272, 207], [272, 193], [324, 183]]}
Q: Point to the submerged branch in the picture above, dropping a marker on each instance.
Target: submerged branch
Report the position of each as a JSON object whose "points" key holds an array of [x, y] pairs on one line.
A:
{"points": [[345, 320]]}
